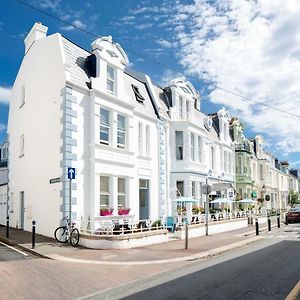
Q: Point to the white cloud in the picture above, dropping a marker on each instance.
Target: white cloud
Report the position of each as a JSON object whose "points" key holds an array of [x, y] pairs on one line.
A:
{"points": [[165, 43], [5, 94], [76, 23], [251, 48], [144, 26]]}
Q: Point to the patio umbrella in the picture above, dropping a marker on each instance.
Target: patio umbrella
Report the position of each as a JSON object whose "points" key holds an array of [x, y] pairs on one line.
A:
{"points": [[250, 201], [221, 200]]}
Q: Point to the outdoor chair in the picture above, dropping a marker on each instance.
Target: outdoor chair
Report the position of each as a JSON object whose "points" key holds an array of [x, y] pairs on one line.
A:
{"points": [[170, 224]]}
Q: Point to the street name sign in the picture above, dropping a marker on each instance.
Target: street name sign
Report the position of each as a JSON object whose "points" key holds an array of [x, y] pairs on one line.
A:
{"points": [[71, 173], [54, 180]]}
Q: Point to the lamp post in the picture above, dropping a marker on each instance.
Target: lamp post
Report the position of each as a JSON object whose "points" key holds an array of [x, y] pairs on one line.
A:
{"points": [[206, 202]]}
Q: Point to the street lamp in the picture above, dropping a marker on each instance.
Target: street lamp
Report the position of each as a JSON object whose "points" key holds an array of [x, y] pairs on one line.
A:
{"points": [[206, 203]]}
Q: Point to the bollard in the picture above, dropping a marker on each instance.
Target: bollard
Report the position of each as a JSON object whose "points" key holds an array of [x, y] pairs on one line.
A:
{"points": [[269, 224], [33, 234], [256, 227], [7, 227], [186, 236], [286, 220], [278, 221]]}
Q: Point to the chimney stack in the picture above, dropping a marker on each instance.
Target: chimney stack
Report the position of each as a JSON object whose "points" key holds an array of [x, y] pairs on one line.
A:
{"points": [[38, 31]]}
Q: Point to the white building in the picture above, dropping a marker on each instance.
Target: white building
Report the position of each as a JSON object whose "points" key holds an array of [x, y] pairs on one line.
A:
{"points": [[200, 146], [74, 108]]}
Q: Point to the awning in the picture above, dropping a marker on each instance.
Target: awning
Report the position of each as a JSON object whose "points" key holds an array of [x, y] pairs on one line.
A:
{"points": [[221, 200], [247, 201], [185, 200], [216, 187]]}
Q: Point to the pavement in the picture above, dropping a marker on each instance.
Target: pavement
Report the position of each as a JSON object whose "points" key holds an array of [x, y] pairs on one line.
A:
{"points": [[172, 251]]}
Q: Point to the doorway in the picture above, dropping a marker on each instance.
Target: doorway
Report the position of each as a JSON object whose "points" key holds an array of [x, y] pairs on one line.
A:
{"points": [[144, 199], [22, 210]]}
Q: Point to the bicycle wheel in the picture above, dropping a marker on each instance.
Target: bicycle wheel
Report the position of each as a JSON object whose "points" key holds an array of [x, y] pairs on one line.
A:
{"points": [[61, 234], [74, 238]]}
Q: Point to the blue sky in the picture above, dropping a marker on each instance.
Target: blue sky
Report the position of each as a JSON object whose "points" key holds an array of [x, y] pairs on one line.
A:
{"points": [[247, 47]]}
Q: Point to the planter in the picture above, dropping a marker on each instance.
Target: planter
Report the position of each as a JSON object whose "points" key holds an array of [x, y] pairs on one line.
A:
{"points": [[106, 211], [123, 211]]}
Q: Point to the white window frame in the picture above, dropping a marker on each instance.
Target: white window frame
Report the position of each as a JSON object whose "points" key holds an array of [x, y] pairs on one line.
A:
{"points": [[192, 136], [140, 138], [187, 104], [180, 107], [122, 194], [121, 131], [105, 193], [147, 140], [112, 79], [106, 126], [200, 149], [177, 146]]}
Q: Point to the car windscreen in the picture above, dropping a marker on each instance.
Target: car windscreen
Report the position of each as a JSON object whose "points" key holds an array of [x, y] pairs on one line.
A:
{"points": [[295, 209]]}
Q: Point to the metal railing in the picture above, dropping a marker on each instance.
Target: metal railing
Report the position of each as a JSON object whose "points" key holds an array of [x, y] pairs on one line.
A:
{"points": [[119, 226]]}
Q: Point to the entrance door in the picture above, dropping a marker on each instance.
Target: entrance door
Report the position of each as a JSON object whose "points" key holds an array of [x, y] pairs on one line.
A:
{"points": [[144, 199], [22, 210]]}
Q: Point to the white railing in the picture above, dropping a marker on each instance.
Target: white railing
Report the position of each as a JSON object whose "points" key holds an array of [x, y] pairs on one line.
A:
{"points": [[117, 225]]}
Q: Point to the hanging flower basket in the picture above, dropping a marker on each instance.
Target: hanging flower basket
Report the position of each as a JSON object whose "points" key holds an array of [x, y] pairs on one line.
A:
{"points": [[106, 211], [123, 211]]}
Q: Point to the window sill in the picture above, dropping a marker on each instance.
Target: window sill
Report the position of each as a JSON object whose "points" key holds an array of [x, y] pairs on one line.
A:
{"points": [[113, 149], [144, 157]]}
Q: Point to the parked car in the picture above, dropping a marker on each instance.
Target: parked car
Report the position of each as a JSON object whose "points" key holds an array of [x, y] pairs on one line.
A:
{"points": [[293, 215]]}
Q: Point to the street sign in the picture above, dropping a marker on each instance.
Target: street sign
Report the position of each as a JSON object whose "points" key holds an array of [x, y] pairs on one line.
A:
{"points": [[267, 198], [206, 189], [230, 194], [54, 180], [71, 173]]}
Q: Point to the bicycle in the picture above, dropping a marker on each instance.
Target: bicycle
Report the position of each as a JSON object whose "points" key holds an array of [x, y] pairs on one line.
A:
{"points": [[67, 233]]}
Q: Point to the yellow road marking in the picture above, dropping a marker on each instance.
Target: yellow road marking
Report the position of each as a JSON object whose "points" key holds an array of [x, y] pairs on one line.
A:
{"points": [[294, 292]]}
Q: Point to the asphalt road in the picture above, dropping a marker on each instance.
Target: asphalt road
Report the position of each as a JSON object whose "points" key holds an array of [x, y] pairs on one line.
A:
{"points": [[9, 253], [266, 270]]}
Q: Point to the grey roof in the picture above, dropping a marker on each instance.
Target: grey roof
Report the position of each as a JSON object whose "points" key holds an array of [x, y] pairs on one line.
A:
{"points": [[146, 106], [76, 59], [163, 107]]}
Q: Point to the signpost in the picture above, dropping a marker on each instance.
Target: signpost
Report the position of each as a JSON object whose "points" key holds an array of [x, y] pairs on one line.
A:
{"points": [[206, 189], [71, 176]]}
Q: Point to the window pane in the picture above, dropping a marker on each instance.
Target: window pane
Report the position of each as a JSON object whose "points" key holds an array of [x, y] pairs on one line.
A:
{"points": [[104, 116], [179, 186], [104, 201], [121, 122], [110, 85], [179, 144], [121, 185], [121, 139], [110, 73], [121, 201], [104, 133], [104, 184]]}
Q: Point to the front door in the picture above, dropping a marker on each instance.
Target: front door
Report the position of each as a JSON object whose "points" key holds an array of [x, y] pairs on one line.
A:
{"points": [[22, 210], [144, 199]]}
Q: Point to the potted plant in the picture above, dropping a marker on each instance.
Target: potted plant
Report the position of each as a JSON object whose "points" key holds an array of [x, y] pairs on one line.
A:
{"points": [[123, 211], [106, 211]]}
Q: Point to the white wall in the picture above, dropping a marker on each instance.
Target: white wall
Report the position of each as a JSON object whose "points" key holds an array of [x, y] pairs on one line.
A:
{"points": [[40, 121]]}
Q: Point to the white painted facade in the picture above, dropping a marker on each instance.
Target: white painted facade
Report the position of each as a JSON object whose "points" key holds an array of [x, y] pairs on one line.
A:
{"points": [[54, 123]]}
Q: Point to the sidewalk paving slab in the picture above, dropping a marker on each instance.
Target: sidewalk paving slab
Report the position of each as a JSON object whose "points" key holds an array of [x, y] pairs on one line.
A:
{"points": [[170, 251]]}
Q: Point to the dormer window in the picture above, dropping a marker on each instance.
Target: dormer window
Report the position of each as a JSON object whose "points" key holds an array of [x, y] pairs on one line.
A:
{"points": [[137, 94], [110, 79]]}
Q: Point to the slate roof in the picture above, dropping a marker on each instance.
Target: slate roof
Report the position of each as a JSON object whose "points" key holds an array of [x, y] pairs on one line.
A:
{"points": [[76, 59], [146, 106]]}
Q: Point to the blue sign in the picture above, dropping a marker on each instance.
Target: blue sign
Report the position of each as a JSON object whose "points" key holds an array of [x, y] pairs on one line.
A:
{"points": [[71, 173]]}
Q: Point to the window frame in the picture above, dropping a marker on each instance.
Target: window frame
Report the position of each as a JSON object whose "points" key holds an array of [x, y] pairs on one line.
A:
{"points": [[110, 79], [105, 193], [178, 146], [104, 125], [123, 193], [121, 131]]}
